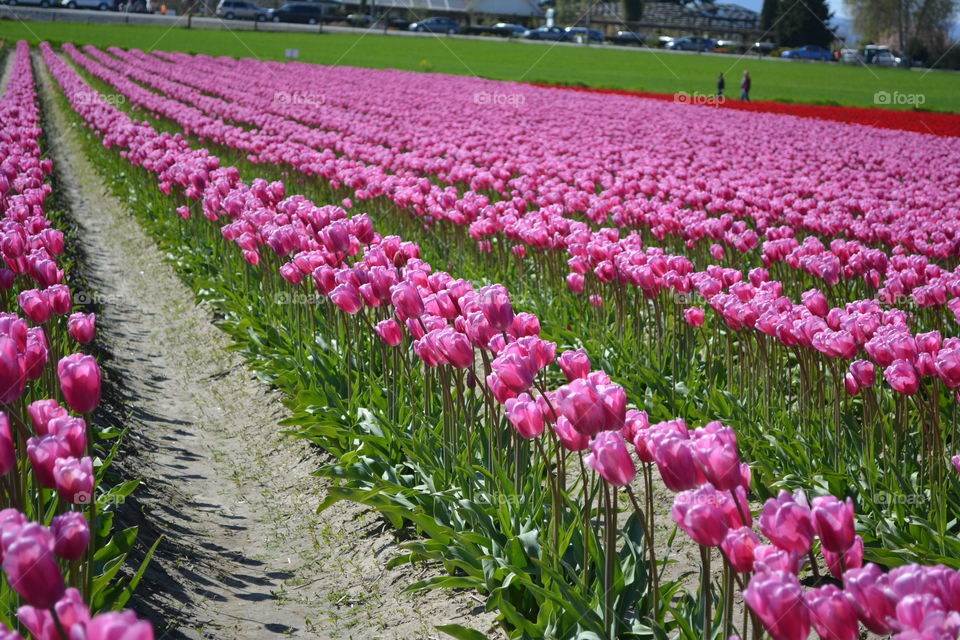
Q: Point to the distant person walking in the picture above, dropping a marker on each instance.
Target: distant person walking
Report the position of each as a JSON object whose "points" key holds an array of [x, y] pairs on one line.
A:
{"points": [[745, 86], [721, 85]]}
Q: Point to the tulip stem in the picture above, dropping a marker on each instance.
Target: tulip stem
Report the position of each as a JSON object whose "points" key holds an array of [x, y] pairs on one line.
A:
{"points": [[705, 592], [648, 537], [56, 620]]}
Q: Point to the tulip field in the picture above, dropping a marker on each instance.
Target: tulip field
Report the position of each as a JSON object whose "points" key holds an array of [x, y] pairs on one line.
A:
{"points": [[621, 368]]}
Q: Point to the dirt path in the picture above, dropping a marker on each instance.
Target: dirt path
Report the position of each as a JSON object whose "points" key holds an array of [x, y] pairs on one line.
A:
{"points": [[5, 73], [244, 554]]}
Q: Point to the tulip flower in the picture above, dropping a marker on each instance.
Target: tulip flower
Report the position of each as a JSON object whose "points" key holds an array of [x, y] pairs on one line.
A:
{"points": [[82, 326], [694, 316], [35, 305], [787, 523], [390, 331], [832, 615], [676, 461], [80, 382], [872, 598], [42, 411], [12, 371], [852, 558], [8, 453], [496, 307], [777, 599], [609, 457], [524, 414], [570, 438], [74, 479], [575, 364], [738, 546], [833, 521], [696, 512], [71, 610], [43, 453], [71, 534], [31, 567], [956, 462], [902, 377], [405, 297], [122, 625]]}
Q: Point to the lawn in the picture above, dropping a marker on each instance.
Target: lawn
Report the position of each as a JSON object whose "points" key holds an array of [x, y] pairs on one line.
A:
{"points": [[656, 71]]}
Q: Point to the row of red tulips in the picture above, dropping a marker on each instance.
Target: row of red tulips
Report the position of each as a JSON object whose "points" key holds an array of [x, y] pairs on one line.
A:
{"points": [[449, 325]]}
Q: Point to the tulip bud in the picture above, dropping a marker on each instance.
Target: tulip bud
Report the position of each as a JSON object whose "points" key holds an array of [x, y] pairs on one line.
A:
{"points": [[777, 599], [71, 534], [82, 326], [80, 382], [609, 457], [831, 614], [74, 479], [739, 545], [32, 569], [118, 625], [833, 520], [575, 364]]}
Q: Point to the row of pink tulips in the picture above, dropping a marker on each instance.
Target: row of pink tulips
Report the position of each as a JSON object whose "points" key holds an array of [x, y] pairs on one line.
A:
{"points": [[46, 459], [450, 324]]}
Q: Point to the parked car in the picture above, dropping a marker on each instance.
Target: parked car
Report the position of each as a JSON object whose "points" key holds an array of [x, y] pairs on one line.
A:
{"points": [[32, 3], [628, 37], [302, 12], [692, 43], [548, 33], [764, 47], [360, 20], [809, 52], [579, 33], [99, 5], [886, 59], [436, 25], [850, 56], [508, 29], [240, 10]]}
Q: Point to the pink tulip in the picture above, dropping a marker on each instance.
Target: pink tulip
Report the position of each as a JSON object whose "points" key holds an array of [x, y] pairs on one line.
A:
{"points": [[902, 377], [956, 462], [42, 411], [575, 364], [35, 355], [71, 610], [35, 305], [696, 512], [524, 414], [831, 614], [677, 464], [720, 462], [570, 438], [863, 372], [13, 377], [496, 307], [80, 382], [405, 297], [32, 569], [73, 431], [8, 453], [609, 457], [787, 523], [575, 283], [833, 521], [738, 546], [816, 302], [347, 298], [43, 453], [71, 534], [872, 598], [82, 326], [74, 479], [390, 331], [852, 558], [694, 316], [777, 599], [121, 625]]}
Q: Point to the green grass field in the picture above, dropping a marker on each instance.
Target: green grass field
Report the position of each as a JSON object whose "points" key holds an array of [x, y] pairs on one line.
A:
{"points": [[658, 71]]}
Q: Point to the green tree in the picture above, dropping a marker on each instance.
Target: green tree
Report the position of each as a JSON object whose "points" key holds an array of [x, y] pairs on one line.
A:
{"points": [[802, 22], [768, 15], [918, 27], [632, 10]]}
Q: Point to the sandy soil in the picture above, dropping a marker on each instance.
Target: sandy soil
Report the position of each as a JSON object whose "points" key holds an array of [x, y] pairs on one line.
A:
{"points": [[243, 554]]}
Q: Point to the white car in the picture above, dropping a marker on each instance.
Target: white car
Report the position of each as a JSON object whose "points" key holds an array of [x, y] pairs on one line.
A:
{"points": [[99, 5]]}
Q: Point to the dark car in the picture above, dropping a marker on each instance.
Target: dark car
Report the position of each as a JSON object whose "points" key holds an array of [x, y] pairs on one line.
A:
{"points": [[548, 33], [692, 43], [809, 52], [436, 25], [581, 32], [508, 29], [303, 12], [628, 37]]}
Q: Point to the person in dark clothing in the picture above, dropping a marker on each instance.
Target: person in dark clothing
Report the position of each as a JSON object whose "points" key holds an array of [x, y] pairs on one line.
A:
{"points": [[721, 85], [745, 86]]}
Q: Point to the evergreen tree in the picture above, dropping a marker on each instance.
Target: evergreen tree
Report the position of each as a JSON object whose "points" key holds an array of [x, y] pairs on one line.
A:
{"points": [[802, 22], [768, 15], [632, 10]]}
